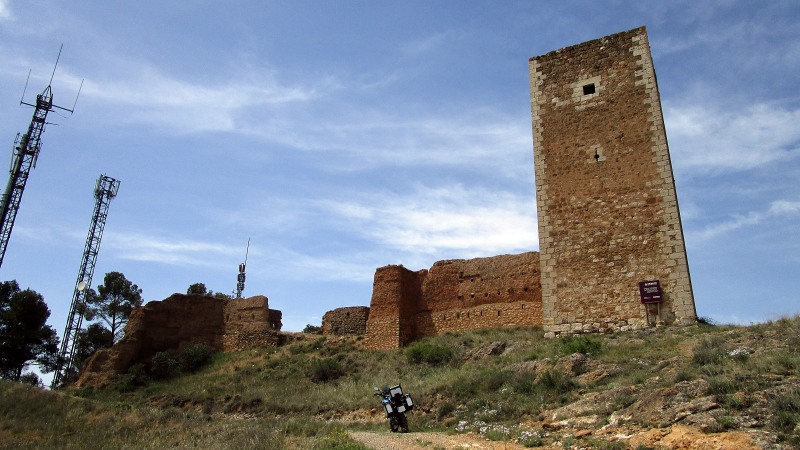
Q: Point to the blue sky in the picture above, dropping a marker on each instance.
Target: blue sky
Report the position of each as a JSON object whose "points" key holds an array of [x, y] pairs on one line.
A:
{"points": [[343, 136]]}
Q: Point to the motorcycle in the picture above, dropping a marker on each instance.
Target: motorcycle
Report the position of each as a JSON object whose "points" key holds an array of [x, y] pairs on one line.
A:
{"points": [[396, 404]]}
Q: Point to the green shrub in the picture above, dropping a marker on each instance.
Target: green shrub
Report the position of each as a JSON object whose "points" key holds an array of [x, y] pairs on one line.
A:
{"points": [[588, 345], [31, 379], [194, 357], [308, 347], [708, 352], [463, 386], [598, 444], [722, 386], [684, 375], [425, 352], [530, 439], [325, 369], [496, 434], [312, 329], [339, 440], [444, 410], [787, 411], [164, 366], [553, 385], [522, 383], [136, 376]]}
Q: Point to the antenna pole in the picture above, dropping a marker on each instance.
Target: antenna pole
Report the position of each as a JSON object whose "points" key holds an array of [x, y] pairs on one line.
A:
{"points": [[56, 64], [24, 157], [105, 190], [241, 277]]}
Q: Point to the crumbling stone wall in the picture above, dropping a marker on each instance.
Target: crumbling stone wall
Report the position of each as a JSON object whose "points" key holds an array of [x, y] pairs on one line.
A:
{"points": [[607, 207], [396, 292], [453, 295], [250, 323], [349, 321], [182, 320]]}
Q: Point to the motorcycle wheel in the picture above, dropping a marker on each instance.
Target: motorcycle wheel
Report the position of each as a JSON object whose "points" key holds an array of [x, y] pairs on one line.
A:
{"points": [[394, 424], [403, 423]]}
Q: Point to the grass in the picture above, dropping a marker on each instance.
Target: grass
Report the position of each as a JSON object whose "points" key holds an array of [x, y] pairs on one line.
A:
{"points": [[287, 397]]}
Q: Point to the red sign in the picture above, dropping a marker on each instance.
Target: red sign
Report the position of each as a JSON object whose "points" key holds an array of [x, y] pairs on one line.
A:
{"points": [[650, 291]]}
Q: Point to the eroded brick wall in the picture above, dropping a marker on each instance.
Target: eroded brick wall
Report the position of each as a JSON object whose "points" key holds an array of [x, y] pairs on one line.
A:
{"points": [[453, 295], [250, 323], [349, 321], [607, 207], [182, 320], [395, 294]]}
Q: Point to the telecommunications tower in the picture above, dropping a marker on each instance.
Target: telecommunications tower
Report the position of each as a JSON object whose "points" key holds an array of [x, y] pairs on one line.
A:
{"points": [[105, 189], [240, 278], [24, 156]]}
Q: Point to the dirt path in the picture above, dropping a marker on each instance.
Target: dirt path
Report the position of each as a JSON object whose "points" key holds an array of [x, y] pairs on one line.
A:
{"points": [[428, 441]]}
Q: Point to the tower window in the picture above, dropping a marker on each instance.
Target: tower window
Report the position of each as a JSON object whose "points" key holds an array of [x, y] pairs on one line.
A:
{"points": [[588, 89]]}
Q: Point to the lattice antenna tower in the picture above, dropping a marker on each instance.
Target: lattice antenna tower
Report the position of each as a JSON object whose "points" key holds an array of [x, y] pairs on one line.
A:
{"points": [[240, 278], [105, 190], [24, 156]]}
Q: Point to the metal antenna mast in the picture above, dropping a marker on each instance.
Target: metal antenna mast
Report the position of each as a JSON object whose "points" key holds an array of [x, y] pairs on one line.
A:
{"points": [[105, 190], [240, 278], [24, 156]]}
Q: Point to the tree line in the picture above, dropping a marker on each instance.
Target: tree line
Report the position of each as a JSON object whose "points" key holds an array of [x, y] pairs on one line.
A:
{"points": [[26, 339]]}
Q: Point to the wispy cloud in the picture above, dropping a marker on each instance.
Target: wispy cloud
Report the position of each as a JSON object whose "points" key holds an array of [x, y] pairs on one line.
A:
{"points": [[426, 44], [431, 222], [294, 265], [151, 96], [325, 114], [483, 139], [710, 139], [5, 9], [165, 250], [777, 209]]}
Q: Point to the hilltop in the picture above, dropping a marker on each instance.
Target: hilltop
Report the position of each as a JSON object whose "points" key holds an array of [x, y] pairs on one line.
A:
{"points": [[698, 386]]}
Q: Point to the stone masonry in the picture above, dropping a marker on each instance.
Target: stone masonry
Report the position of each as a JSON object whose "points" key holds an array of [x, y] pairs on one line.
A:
{"points": [[182, 320], [350, 321], [607, 207], [453, 295]]}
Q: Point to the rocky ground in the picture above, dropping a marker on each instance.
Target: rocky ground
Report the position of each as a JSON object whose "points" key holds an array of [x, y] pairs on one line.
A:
{"points": [[727, 402]]}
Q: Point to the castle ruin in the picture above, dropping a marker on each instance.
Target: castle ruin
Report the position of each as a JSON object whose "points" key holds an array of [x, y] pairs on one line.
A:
{"points": [[607, 208], [607, 214], [453, 295], [348, 321], [182, 320]]}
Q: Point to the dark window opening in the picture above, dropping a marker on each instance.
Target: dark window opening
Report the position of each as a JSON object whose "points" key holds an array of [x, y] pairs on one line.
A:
{"points": [[588, 89]]}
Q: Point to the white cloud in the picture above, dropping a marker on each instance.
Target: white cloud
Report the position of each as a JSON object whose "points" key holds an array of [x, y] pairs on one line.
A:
{"points": [[711, 139], [426, 44], [254, 102], [777, 209], [484, 139], [150, 96], [355, 266], [5, 9], [164, 250], [432, 222], [782, 207]]}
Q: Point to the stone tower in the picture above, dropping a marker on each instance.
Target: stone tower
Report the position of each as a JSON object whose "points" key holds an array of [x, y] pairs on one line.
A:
{"points": [[607, 207]]}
